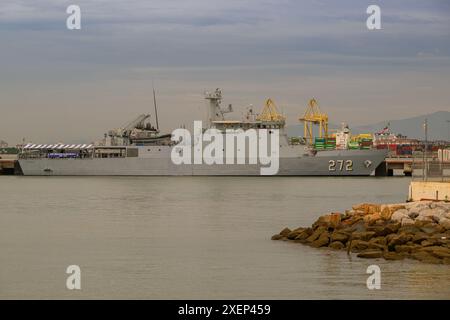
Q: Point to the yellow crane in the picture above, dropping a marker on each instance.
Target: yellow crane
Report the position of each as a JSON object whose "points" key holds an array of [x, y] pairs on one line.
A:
{"points": [[313, 116], [270, 113]]}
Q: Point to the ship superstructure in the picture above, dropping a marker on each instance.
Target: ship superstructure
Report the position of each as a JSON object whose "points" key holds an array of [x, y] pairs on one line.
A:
{"points": [[139, 149]]}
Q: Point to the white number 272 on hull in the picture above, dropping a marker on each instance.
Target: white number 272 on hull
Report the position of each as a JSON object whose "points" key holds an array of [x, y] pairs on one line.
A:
{"points": [[339, 165]]}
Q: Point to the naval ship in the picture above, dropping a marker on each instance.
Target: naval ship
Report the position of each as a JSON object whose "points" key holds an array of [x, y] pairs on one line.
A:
{"points": [[139, 149]]}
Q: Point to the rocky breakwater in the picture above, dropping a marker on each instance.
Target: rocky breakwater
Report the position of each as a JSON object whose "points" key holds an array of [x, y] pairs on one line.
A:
{"points": [[414, 230]]}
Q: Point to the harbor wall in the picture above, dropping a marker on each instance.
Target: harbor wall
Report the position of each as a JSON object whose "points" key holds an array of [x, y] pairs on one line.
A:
{"points": [[8, 164], [429, 190]]}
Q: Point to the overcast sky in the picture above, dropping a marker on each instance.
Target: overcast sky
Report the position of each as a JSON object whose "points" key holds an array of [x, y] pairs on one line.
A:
{"points": [[73, 85]]}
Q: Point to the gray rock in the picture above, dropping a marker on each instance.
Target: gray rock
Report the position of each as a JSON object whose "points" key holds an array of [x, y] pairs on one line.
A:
{"points": [[370, 254], [431, 214], [426, 257], [337, 245], [445, 223], [363, 235], [277, 237], [393, 256], [399, 215], [323, 240], [285, 232], [340, 236], [418, 206], [413, 214], [406, 221], [444, 206]]}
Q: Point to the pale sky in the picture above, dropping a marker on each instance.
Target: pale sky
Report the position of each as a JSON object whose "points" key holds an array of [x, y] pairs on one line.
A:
{"points": [[60, 85]]}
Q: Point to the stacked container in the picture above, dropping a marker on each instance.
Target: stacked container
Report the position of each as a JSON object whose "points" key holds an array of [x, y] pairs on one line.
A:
{"points": [[366, 143], [319, 143], [330, 143], [404, 150], [353, 145]]}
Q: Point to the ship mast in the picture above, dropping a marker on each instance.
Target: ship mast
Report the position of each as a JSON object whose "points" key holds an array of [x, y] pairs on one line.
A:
{"points": [[156, 109], [214, 110]]}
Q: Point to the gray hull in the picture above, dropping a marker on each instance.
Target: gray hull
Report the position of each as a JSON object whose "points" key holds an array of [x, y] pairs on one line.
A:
{"points": [[158, 163]]}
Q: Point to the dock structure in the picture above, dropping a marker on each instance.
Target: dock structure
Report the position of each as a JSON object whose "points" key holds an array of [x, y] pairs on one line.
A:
{"points": [[405, 164], [8, 160], [386, 169], [430, 180], [429, 190]]}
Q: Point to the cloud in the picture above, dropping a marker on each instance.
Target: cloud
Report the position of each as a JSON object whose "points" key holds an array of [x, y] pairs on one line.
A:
{"points": [[253, 48]]}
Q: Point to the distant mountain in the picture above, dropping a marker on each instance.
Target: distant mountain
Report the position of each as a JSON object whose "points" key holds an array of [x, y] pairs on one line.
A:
{"points": [[438, 127]]}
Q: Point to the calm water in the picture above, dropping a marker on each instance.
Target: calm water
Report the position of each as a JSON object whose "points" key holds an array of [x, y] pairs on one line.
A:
{"points": [[191, 237]]}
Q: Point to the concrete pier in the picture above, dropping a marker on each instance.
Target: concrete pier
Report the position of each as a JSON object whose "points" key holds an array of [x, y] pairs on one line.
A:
{"points": [[8, 160], [429, 190], [388, 166]]}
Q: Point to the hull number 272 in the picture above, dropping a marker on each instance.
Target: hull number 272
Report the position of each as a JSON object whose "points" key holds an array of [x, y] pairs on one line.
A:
{"points": [[340, 165]]}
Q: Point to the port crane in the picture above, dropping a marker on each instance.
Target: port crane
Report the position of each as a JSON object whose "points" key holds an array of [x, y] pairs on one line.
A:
{"points": [[313, 116], [270, 113]]}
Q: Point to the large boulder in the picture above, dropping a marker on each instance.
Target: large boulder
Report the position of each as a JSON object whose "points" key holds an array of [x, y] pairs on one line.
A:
{"points": [[409, 229], [426, 257], [393, 256], [378, 240], [431, 215], [277, 237], [304, 234], [437, 251], [402, 248], [316, 234], [415, 208], [358, 225], [323, 240], [398, 239], [370, 254], [430, 242], [397, 206], [413, 214], [372, 218], [330, 220], [293, 234], [432, 228], [398, 215], [335, 219], [362, 235], [340, 236], [351, 213], [376, 246], [418, 205], [337, 245], [285, 232], [367, 208], [358, 245], [389, 229], [407, 221], [419, 237], [444, 205], [386, 212], [445, 223], [382, 231]]}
